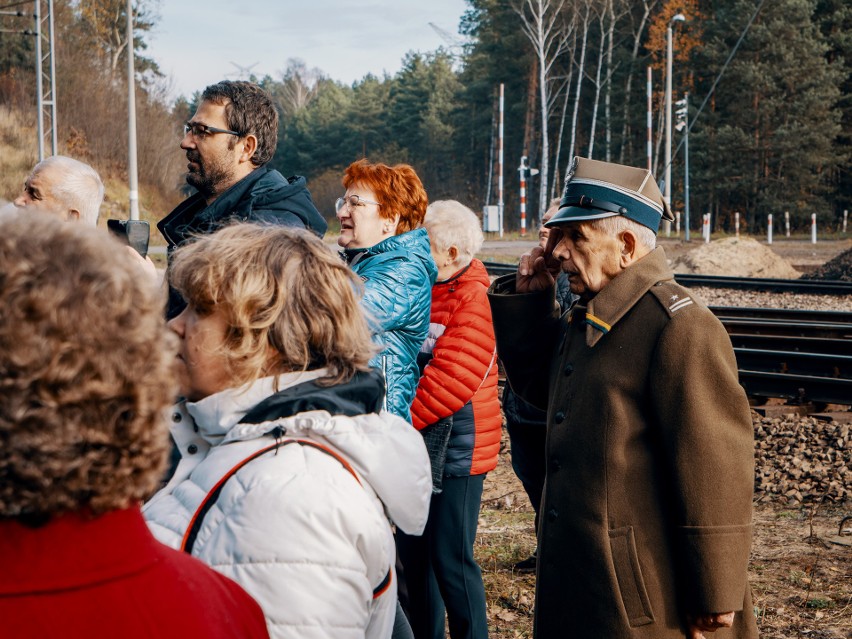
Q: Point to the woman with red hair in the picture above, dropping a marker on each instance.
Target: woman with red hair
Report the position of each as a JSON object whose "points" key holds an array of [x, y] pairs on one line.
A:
{"points": [[380, 217]]}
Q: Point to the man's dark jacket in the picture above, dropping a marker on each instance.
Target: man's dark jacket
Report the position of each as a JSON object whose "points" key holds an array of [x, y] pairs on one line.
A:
{"points": [[264, 195]]}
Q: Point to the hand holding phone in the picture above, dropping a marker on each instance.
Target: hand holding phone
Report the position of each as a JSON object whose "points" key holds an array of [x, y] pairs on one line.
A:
{"points": [[135, 233]]}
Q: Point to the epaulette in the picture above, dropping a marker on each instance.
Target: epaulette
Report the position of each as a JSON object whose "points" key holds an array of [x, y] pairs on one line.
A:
{"points": [[672, 296]]}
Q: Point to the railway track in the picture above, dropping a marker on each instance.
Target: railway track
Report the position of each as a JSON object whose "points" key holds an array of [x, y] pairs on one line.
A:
{"points": [[802, 356], [813, 287]]}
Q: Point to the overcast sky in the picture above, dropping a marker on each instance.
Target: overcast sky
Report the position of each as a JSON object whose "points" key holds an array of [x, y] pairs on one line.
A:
{"points": [[197, 41]]}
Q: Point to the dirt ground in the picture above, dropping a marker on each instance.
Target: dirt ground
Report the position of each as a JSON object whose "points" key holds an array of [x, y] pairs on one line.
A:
{"points": [[801, 580]]}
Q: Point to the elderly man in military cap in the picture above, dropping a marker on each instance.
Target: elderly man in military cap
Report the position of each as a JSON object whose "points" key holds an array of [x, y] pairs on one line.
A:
{"points": [[646, 523]]}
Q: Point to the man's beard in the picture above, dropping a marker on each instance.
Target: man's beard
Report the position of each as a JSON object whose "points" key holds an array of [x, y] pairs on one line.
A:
{"points": [[212, 176]]}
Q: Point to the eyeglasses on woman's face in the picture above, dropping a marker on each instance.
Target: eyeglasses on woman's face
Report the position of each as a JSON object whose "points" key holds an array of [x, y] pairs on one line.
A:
{"points": [[351, 202]]}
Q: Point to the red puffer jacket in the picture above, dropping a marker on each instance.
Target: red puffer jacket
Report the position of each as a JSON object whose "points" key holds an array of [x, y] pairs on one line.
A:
{"points": [[460, 374]]}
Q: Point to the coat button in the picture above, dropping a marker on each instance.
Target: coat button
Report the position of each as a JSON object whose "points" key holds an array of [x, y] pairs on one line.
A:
{"points": [[559, 416], [176, 417], [569, 368], [192, 449], [552, 514]]}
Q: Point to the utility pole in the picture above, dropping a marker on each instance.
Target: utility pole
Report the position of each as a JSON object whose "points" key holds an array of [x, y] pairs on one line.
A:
{"points": [[132, 172], [678, 17], [45, 75]]}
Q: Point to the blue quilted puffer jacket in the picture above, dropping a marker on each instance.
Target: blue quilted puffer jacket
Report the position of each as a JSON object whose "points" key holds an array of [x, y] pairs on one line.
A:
{"points": [[398, 274]]}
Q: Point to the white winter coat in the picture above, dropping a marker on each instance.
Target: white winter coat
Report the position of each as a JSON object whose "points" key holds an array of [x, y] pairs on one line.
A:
{"points": [[294, 527]]}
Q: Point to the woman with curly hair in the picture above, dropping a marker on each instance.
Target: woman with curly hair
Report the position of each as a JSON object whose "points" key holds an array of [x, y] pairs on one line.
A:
{"points": [[284, 482], [86, 373], [380, 218]]}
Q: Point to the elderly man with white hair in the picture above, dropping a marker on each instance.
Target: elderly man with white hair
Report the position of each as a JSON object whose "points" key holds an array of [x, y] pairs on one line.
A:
{"points": [[646, 519], [65, 187]]}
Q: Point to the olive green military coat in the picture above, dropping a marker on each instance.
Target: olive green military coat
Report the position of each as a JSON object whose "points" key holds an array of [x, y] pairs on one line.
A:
{"points": [[650, 464]]}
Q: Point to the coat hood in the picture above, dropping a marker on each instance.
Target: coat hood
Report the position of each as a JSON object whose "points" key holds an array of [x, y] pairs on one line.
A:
{"points": [[264, 195], [385, 451]]}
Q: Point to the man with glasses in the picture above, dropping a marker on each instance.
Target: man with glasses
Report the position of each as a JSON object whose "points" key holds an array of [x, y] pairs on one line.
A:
{"points": [[228, 142]]}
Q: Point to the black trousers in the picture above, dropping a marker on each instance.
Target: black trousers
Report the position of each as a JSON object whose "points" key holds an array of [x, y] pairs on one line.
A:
{"points": [[527, 442], [440, 573]]}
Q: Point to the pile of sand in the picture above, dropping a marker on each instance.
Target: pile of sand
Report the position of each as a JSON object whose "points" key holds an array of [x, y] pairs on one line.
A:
{"points": [[840, 268], [737, 257]]}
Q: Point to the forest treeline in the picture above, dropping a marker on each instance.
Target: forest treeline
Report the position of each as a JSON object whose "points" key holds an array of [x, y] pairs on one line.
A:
{"points": [[770, 124]]}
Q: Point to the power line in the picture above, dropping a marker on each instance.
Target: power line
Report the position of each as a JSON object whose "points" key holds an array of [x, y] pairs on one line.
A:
{"points": [[16, 4], [719, 77]]}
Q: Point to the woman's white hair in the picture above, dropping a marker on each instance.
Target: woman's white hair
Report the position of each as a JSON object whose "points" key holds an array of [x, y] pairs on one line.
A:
{"points": [[451, 223], [617, 223]]}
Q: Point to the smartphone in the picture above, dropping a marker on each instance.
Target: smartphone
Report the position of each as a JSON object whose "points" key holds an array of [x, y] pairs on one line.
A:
{"points": [[132, 232]]}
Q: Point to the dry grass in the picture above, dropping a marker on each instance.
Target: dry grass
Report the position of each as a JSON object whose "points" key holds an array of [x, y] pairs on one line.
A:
{"points": [[19, 150], [801, 581]]}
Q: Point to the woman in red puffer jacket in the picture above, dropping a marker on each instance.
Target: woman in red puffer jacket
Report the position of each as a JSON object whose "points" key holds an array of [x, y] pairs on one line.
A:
{"points": [[458, 382]]}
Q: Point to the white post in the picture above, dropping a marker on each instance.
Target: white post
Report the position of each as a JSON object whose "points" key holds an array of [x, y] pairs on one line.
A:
{"points": [[813, 228], [677, 223], [787, 223], [845, 216], [769, 230], [737, 223], [706, 228]]}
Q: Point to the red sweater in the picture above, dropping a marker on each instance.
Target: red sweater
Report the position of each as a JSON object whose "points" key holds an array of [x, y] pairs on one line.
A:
{"points": [[460, 379], [80, 577]]}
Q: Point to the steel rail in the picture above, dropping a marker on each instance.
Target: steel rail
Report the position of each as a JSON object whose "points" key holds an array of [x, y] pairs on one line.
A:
{"points": [[792, 344], [690, 280], [812, 287], [783, 314], [797, 388], [798, 355], [794, 363]]}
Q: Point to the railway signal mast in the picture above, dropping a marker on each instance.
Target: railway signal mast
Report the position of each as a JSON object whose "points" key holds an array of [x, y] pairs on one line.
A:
{"points": [[525, 172], [45, 70]]}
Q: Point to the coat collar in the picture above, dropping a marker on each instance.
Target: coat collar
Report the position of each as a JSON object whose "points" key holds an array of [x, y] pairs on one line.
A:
{"points": [[74, 550], [623, 292], [217, 414]]}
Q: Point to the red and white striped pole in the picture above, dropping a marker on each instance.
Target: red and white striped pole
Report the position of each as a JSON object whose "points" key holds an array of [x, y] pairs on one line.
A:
{"points": [[500, 165], [650, 143], [523, 171], [769, 230], [813, 228]]}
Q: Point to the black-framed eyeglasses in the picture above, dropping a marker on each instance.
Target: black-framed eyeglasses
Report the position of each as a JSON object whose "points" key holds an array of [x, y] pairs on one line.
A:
{"points": [[199, 130], [351, 201]]}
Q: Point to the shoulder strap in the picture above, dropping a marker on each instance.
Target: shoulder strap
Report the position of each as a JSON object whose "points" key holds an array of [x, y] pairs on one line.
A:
{"points": [[210, 499]]}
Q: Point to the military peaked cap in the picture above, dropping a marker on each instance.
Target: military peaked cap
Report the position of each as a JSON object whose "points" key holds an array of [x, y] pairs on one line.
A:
{"points": [[594, 190]]}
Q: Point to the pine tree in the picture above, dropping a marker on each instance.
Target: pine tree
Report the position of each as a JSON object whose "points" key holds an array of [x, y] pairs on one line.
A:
{"points": [[767, 143]]}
